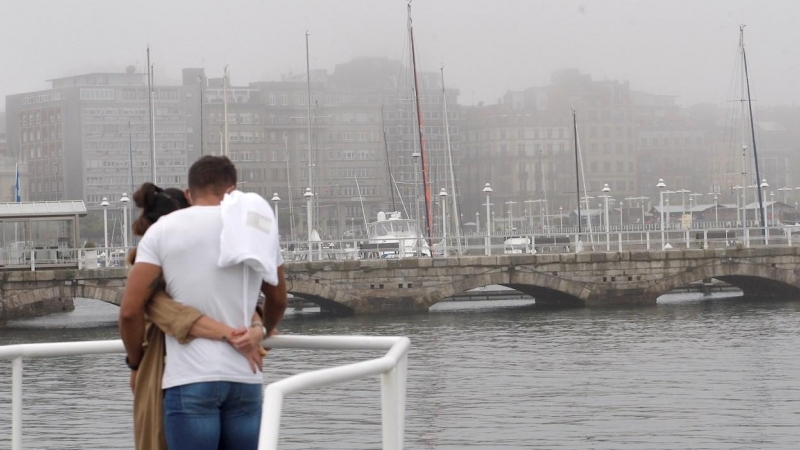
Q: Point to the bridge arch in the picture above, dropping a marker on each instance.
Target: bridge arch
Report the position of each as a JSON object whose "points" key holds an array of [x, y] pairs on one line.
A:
{"points": [[329, 299], [755, 280], [546, 289]]}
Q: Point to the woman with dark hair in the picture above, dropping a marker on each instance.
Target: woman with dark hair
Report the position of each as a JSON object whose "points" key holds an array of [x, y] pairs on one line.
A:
{"points": [[182, 322]]}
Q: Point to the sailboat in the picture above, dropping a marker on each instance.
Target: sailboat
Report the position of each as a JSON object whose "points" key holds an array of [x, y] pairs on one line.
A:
{"points": [[391, 236], [746, 90]]}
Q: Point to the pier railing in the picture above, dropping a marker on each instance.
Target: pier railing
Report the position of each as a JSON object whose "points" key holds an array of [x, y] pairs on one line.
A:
{"points": [[535, 240], [391, 367]]}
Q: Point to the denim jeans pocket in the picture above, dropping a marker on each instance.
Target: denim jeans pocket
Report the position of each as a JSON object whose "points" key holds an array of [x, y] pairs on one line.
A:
{"points": [[198, 398], [249, 398]]}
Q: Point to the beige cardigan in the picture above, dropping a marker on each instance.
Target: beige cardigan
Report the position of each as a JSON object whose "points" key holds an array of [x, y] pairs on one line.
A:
{"points": [[175, 320]]}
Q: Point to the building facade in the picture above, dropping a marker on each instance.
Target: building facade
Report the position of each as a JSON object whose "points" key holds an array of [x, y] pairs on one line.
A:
{"points": [[88, 136]]}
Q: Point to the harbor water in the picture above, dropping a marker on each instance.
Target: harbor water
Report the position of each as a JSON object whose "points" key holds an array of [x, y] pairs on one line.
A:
{"points": [[708, 373]]}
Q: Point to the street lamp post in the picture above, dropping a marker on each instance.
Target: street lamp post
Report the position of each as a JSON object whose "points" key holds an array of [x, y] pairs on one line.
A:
{"points": [[772, 207], [488, 242], [276, 199], [443, 196], [683, 199], [661, 185], [105, 204], [716, 211], [692, 204], [124, 200], [605, 196], [308, 195]]}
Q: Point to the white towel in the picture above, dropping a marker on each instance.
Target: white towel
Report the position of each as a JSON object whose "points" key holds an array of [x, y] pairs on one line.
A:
{"points": [[249, 235]]}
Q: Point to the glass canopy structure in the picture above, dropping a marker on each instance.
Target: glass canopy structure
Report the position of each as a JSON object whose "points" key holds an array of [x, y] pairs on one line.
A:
{"points": [[47, 232]]}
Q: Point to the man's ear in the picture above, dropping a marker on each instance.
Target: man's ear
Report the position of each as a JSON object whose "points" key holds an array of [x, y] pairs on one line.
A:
{"points": [[188, 197]]}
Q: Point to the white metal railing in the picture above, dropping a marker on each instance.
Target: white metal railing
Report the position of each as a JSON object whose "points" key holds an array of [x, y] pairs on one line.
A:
{"points": [[391, 367], [626, 239]]}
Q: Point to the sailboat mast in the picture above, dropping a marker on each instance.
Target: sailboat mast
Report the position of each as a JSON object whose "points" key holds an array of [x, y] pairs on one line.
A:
{"points": [[753, 132], [310, 159], [225, 112], [577, 175], [388, 161], [288, 184], [453, 196], [202, 117], [423, 159], [152, 116]]}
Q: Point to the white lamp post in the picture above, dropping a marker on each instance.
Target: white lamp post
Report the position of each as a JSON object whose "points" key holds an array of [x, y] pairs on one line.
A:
{"points": [[105, 204], [124, 201], [276, 199], [772, 207], [661, 185], [561, 218], [488, 243], [443, 196], [308, 195], [692, 204], [605, 196], [716, 211]]}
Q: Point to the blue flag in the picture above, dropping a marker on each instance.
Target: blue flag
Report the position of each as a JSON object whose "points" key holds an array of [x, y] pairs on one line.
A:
{"points": [[17, 196]]}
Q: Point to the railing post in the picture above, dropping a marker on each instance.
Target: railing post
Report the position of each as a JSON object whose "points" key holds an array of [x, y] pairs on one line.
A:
{"points": [[270, 419], [16, 404], [33, 260], [393, 406], [620, 241], [705, 238], [686, 236], [789, 236], [647, 238]]}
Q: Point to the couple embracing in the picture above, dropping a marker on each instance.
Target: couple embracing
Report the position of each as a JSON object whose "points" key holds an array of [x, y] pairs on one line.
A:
{"points": [[197, 382]]}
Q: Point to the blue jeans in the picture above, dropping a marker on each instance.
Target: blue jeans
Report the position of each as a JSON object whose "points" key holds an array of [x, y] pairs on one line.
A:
{"points": [[213, 415]]}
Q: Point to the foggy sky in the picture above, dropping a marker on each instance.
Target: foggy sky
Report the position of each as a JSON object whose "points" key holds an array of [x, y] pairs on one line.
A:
{"points": [[681, 47]]}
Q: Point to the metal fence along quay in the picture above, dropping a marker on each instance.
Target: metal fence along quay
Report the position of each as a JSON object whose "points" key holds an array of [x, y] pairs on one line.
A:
{"points": [[392, 368]]}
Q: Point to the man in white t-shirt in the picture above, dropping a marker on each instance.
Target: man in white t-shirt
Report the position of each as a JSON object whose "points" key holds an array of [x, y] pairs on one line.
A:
{"points": [[212, 398]]}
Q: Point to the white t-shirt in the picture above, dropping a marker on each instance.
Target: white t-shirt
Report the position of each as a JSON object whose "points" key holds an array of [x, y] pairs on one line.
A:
{"points": [[186, 245]]}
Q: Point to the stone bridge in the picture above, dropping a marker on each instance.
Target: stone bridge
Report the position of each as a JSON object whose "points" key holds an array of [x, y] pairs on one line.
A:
{"points": [[594, 279], [26, 293], [585, 279]]}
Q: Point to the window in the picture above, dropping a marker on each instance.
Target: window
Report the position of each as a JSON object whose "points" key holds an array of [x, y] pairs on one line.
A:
{"points": [[284, 100]]}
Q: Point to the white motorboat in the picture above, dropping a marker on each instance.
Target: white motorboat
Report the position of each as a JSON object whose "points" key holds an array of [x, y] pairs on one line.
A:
{"points": [[517, 244], [391, 236]]}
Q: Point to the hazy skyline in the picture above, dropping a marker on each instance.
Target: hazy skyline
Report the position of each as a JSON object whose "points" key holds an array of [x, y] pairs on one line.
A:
{"points": [[677, 47]]}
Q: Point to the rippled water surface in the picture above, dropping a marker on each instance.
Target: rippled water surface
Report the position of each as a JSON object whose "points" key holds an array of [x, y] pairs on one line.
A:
{"points": [[712, 374]]}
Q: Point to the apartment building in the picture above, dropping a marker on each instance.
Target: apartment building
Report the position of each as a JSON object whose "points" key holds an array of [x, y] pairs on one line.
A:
{"points": [[88, 136]]}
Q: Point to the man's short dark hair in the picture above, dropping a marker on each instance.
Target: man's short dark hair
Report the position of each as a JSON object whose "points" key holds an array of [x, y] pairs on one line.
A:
{"points": [[214, 174]]}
